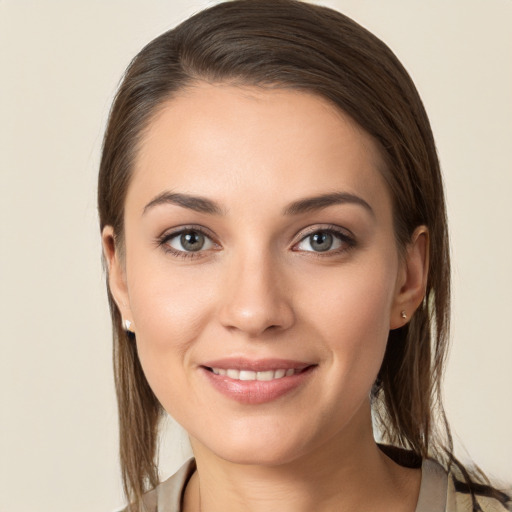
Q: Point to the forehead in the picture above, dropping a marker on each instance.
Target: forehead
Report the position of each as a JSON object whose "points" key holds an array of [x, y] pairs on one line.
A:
{"points": [[224, 141]]}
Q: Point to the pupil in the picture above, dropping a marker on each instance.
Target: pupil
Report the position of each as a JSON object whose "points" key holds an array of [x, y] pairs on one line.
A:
{"points": [[321, 241], [192, 241]]}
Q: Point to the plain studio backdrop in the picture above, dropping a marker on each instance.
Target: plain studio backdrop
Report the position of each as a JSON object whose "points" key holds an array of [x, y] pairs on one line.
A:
{"points": [[60, 63]]}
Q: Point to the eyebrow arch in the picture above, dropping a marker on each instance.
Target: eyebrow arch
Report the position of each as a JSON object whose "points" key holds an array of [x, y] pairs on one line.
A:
{"points": [[323, 201], [196, 203], [204, 205]]}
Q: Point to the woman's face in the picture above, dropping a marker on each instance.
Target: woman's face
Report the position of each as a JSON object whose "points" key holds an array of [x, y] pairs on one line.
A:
{"points": [[259, 242]]}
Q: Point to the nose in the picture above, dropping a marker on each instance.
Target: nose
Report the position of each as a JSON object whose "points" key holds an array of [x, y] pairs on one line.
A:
{"points": [[254, 298]]}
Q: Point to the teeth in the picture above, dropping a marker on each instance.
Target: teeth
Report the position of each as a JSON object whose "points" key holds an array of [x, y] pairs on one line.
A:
{"points": [[247, 375], [250, 375], [265, 375]]}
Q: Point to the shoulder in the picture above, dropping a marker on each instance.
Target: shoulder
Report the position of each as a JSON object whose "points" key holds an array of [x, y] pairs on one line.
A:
{"points": [[443, 491], [459, 498], [166, 496]]}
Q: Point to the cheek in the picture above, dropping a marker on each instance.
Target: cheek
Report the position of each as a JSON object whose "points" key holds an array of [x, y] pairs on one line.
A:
{"points": [[354, 298], [352, 315], [167, 303], [170, 310]]}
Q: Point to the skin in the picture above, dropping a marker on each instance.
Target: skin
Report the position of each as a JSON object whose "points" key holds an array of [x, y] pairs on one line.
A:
{"points": [[259, 289]]}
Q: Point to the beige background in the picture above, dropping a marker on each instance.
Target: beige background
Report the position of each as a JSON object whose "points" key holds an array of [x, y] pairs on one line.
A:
{"points": [[60, 62]]}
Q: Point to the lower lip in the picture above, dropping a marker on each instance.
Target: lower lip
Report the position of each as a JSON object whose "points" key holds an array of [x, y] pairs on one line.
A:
{"points": [[256, 391]]}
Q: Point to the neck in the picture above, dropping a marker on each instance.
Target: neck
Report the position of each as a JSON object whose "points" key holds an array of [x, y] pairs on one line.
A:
{"points": [[347, 472]]}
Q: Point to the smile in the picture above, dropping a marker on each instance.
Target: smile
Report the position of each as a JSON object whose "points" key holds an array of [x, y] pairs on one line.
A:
{"points": [[256, 382], [252, 375]]}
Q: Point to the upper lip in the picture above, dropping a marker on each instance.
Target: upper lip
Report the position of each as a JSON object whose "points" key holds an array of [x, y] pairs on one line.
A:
{"points": [[256, 365]]}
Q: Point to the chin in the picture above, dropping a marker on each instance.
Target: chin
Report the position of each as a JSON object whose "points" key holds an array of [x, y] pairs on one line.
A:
{"points": [[258, 444], [257, 455]]}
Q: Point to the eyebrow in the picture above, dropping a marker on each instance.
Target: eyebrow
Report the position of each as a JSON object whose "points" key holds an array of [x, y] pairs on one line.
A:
{"points": [[308, 204], [196, 203]]}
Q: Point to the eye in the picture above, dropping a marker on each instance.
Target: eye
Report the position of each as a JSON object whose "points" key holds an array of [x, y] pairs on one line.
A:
{"points": [[188, 241], [325, 240]]}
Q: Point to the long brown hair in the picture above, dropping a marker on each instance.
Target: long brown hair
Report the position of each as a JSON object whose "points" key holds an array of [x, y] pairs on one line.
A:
{"points": [[295, 45]]}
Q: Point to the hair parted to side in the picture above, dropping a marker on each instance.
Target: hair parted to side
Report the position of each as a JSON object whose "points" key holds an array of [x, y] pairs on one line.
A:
{"points": [[296, 45]]}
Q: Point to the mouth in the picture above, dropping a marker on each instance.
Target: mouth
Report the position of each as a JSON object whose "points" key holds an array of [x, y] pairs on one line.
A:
{"points": [[256, 382], [249, 375]]}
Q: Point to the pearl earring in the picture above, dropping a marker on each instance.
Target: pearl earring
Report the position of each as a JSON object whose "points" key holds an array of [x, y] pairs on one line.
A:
{"points": [[403, 314], [127, 326]]}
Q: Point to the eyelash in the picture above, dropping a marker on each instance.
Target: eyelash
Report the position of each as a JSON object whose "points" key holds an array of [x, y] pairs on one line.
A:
{"points": [[348, 241], [167, 237]]}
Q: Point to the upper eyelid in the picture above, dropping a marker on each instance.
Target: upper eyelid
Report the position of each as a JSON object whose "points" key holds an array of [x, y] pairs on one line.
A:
{"points": [[171, 233], [331, 228]]}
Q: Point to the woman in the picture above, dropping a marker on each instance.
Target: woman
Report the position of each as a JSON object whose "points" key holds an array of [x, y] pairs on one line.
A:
{"points": [[274, 229]]}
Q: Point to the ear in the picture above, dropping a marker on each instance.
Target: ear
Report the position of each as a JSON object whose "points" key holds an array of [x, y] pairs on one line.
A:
{"points": [[116, 275], [412, 279]]}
